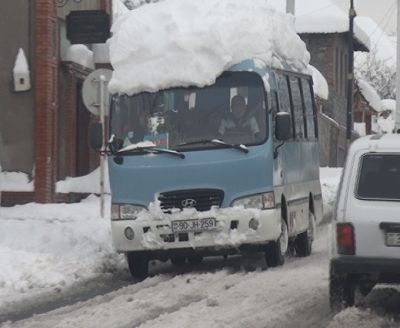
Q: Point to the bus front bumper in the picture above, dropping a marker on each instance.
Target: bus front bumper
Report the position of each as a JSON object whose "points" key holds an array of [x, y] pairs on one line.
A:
{"points": [[232, 231]]}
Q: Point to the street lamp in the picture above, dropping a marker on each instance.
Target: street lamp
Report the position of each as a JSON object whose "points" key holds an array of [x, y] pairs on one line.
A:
{"points": [[62, 3]]}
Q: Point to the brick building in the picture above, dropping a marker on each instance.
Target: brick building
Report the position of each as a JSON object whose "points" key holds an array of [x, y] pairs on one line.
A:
{"points": [[329, 54], [43, 130]]}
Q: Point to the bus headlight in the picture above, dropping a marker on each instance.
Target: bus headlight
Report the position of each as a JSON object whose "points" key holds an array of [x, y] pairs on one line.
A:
{"points": [[125, 211], [259, 201]]}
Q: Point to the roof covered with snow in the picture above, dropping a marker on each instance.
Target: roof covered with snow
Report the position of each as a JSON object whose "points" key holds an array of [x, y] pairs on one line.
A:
{"points": [[194, 42], [322, 16], [370, 94]]}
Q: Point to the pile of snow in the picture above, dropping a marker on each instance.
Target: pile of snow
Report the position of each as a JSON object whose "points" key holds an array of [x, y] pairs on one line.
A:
{"points": [[360, 128], [89, 183], [388, 104], [320, 85], [118, 9], [370, 94], [330, 178], [47, 246], [193, 42], [80, 54], [15, 181]]}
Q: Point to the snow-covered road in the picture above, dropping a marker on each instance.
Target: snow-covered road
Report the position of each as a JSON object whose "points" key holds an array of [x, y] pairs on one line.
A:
{"points": [[211, 296], [219, 293]]}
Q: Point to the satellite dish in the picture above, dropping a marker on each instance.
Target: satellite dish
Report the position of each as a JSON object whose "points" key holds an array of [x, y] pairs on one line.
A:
{"points": [[91, 91]]}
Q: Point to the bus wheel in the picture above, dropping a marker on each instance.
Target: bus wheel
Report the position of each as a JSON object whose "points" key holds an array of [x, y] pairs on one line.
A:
{"points": [[303, 242], [178, 260], [195, 259], [276, 250], [138, 265]]}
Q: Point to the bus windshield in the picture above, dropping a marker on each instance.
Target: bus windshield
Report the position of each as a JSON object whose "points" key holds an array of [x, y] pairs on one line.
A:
{"points": [[232, 110]]}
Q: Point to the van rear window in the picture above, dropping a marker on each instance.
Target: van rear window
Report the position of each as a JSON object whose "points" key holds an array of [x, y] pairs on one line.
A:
{"points": [[379, 177]]}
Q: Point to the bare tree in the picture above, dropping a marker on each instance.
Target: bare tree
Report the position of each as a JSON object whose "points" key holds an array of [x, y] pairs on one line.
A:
{"points": [[381, 74]]}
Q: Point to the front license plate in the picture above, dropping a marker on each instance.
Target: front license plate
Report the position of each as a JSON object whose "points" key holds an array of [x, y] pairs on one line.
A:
{"points": [[392, 238], [195, 225]]}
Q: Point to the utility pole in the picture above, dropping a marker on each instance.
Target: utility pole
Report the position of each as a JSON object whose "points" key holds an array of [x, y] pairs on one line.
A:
{"points": [[397, 116], [290, 7], [349, 120]]}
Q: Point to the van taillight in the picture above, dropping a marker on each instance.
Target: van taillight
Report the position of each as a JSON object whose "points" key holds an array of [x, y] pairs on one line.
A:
{"points": [[345, 238]]}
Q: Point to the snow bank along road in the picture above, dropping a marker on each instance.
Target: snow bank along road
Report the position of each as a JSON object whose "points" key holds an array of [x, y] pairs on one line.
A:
{"points": [[295, 295]]}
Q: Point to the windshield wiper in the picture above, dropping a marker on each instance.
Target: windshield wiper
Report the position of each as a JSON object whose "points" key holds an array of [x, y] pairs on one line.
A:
{"points": [[240, 147], [150, 149]]}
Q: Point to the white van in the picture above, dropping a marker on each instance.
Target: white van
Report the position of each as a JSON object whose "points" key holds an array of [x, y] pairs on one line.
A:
{"points": [[365, 248]]}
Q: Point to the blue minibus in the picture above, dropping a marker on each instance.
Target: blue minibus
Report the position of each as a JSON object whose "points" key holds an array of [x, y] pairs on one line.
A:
{"points": [[228, 168]]}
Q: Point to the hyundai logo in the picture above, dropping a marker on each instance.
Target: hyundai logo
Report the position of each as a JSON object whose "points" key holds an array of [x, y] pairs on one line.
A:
{"points": [[189, 203]]}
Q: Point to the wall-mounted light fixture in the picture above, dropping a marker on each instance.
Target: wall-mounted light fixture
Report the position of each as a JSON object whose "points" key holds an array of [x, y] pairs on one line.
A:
{"points": [[62, 3]]}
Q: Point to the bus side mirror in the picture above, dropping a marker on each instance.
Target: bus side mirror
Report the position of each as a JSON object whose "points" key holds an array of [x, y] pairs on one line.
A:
{"points": [[96, 136], [282, 126]]}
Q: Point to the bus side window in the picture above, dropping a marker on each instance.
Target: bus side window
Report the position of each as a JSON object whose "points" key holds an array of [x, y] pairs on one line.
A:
{"points": [[284, 98], [309, 108], [297, 107]]}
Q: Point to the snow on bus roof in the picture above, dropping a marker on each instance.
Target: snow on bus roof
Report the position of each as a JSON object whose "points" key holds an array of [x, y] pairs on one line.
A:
{"points": [[183, 43]]}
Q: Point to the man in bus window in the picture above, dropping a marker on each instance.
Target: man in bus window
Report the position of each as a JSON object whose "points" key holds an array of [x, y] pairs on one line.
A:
{"points": [[239, 120]]}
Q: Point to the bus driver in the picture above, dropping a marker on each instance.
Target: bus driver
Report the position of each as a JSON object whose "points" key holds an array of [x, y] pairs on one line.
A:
{"points": [[238, 120]]}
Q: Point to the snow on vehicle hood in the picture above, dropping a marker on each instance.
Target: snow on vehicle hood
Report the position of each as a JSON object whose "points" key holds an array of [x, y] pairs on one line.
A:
{"points": [[183, 43]]}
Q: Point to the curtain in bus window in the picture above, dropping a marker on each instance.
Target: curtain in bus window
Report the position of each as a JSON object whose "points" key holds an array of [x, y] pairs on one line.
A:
{"points": [[274, 109], [309, 108], [297, 107], [284, 100]]}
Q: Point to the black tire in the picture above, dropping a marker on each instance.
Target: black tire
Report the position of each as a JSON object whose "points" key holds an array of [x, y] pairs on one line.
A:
{"points": [[195, 259], [275, 252], [341, 291], [138, 265], [303, 242], [178, 260]]}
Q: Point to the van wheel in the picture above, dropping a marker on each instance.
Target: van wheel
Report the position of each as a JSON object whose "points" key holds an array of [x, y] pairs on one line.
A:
{"points": [[276, 250], [195, 259], [303, 242], [138, 265], [341, 291], [178, 260]]}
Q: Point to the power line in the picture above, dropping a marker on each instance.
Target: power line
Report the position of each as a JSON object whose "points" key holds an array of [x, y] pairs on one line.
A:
{"points": [[375, 44]]}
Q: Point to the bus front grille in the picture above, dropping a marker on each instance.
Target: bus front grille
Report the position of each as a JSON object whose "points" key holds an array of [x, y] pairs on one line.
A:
{"points": [[200, 199]]}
